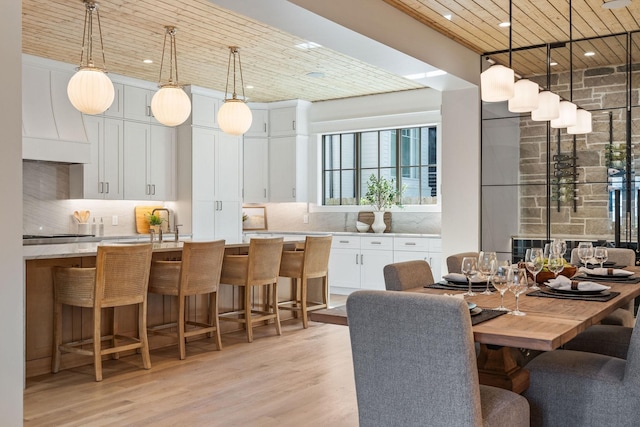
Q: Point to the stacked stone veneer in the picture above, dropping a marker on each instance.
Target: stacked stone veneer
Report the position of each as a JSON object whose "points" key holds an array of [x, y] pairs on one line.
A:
{"points": [[593, 89]]}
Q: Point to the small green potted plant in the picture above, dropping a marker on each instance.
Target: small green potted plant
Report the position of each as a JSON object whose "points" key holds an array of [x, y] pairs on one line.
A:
{"points": [[155, 221], [382, 194]]}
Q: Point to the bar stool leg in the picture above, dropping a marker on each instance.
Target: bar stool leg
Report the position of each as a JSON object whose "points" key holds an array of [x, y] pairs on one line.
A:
{"points": [[303, 302], [247, 312], [57, 337], [214, 320], [181, 325], [97, 357], [144, 341], [274, 288], [114, 330]]}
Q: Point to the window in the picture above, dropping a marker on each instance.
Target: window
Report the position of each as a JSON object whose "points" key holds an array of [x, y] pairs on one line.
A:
{"points": [[407, 155]]}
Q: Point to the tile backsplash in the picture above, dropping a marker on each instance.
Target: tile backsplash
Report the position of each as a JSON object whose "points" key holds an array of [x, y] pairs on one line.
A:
{"points": [[48, 209]]}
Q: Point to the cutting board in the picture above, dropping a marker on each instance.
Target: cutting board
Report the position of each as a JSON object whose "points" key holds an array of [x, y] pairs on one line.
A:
{"points": [[142, 218]]}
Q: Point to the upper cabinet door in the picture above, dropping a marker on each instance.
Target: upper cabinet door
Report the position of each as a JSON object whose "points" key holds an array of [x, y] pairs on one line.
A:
{"points": [[137, 104], [162, 163], [283, 121], [116, 110], [256, 170], [204, 110], [136, 142]]}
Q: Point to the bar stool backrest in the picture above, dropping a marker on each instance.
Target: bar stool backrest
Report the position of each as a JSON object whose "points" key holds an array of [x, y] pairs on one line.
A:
{"points": [[264, 260], [201, 267], [122, 274], [316, 256]]}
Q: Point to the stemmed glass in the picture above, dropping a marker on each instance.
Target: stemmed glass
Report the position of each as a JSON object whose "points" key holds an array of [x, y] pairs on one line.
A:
{"points": [[585, 252], [501, 284], [534, 259], [601, 255], [487, 265], [517, 282], [559, 246], [469, 268], [555, 264]]}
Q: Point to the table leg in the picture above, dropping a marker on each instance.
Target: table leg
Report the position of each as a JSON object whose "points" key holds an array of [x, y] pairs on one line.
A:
{"points": [[497, 367]]}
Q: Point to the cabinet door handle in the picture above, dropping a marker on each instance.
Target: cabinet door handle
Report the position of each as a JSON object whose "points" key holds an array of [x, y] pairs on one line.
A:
{"points": [[294, 125], [107, 187], [361, 259], [220, 205], [100, 187], [293, 192], [265, 127], [148, 110], [410, 243], [265, 193], [148, 192], [154, 189], [430, 259], [356, 258]]}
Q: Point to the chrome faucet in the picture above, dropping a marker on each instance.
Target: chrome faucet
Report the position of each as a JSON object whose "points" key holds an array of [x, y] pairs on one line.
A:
{"points": [[168, 221]]}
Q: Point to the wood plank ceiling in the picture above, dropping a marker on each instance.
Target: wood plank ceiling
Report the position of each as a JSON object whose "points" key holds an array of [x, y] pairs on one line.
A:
{"points": [[133, 30]]}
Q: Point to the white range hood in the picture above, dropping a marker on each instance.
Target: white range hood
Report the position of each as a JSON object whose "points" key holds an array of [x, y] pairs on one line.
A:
{"points": [[52, 129]]}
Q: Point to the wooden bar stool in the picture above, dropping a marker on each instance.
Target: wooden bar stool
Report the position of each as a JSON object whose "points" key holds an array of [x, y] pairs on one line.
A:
{"points": [[197, 274], [258, 268], [120, 278], [300, 266]]}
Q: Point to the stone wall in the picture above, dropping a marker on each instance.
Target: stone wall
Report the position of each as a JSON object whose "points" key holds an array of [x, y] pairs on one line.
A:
{"points": [[603, 91]]}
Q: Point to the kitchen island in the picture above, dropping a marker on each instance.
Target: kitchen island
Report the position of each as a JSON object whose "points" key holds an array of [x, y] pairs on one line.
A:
{"points": [[39, 261]]}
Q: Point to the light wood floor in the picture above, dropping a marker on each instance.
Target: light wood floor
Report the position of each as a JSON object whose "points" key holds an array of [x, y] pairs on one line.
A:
{"points": [[302, 378]]}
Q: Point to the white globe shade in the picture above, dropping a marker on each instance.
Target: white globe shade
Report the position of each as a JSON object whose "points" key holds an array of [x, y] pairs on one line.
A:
{"points": [[583, 123], [170, 105], [525, 96], [90, 91], [548, 107], [497, 83], [234, 117], [567, 116]]}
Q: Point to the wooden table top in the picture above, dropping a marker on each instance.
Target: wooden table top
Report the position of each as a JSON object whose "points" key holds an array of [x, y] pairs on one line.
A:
{"points": [[549, 322]]}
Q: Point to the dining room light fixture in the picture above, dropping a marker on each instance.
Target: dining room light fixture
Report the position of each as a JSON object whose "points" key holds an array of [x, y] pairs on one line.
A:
{"points": [[170, 105], [548, 107], [525, 96], [90, 90], [583, 123], [497, 82], [567, 117], [234, 117]]}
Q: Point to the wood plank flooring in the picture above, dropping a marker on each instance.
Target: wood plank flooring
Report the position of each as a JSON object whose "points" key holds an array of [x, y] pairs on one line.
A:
{"points": [[302, 378]]}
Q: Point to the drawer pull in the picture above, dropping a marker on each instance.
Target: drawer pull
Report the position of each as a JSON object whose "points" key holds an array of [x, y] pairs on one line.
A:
{"points": [[344, 241], [410, 243], [376, 243]]}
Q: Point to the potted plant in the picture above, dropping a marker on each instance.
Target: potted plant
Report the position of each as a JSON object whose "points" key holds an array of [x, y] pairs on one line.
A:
{"points": [[155, 221], [382, 194]]}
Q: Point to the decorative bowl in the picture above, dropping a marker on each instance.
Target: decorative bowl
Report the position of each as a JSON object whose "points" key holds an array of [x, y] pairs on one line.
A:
{"points": [[362, 227], [543, 276]]}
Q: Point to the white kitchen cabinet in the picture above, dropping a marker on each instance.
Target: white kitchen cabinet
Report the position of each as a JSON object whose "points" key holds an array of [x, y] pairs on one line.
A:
{"points": [[149, 162], [259, 123], [116, 110], [204, 110], [102, 178], [357, 262], [419, 248], [256, 170], [137, 104], [288, 170]]}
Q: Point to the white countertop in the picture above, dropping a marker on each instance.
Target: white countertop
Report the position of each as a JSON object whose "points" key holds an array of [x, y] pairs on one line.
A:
{"points": [[69, 250]]}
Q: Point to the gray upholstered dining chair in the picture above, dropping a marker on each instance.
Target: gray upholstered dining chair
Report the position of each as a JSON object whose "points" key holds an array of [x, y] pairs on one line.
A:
{"points": [[415, 364], [454, 262], [401, 276], [610, 340], [575, 388]]}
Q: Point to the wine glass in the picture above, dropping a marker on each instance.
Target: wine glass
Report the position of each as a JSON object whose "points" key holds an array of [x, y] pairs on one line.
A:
{"points": [[555, 264], [517, 283], [469, 268], [559, 246], [501, 284], [487, 265], [601, 255], [585, 252], [534, 260]]}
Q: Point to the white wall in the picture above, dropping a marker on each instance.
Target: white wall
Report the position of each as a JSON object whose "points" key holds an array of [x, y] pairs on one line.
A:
{"points": [[11, 264], [460, 171]]}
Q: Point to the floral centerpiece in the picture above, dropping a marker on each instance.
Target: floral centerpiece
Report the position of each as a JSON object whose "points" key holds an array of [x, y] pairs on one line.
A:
{"points": [[382, 194]]}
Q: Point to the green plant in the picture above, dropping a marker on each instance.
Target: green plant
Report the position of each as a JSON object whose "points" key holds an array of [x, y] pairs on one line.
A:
{"points": [[244, 217], [382, 193], [155, 219]]}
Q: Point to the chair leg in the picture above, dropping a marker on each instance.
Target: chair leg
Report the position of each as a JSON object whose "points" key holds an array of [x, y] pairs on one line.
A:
{"points": [[142, 328], [57, 337], [181, 326], [114, 330], [274, 288], [215, 321], [325, 291], [303, 302], [247, 312], [295, 296], [97, 356]]}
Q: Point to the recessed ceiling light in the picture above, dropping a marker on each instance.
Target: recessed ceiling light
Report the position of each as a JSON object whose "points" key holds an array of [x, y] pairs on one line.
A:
{"points": [[553, 64], [504, 24], [248, 87], [616, 4], [308, 45], [589, 53], [147, 61], [448, 16]]}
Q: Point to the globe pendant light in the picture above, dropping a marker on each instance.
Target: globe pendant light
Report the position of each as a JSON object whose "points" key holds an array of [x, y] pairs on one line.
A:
{"points": [[567, 116], [583, 123], [548, 107], [90, 91], [525, 96], [234, 117], [170, 105]]}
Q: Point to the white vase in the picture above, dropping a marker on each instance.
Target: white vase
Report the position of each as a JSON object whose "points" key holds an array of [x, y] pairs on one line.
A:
{"points": [[378, 225]]}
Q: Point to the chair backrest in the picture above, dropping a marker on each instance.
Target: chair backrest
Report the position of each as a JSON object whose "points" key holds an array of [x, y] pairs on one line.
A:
{"points": [[201, 267], [122, 274], [264, 260], [405, 275], [414, 359], [454, 262], [632, 369], [316, 256], [620, 256]]}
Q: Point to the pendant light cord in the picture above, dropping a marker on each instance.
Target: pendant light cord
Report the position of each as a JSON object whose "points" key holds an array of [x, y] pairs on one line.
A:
{"points": [[173, 56], [87, 33], [510, 32]]}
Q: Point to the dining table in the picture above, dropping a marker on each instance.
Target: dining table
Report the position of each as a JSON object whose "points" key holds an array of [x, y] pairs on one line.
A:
{"points": [[549, 322]]}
